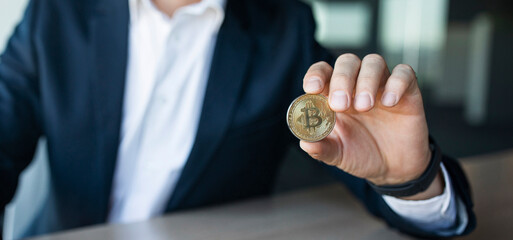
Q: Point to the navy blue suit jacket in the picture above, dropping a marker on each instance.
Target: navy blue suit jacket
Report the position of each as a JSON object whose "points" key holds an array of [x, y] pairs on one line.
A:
{"points": [[62, 76]]}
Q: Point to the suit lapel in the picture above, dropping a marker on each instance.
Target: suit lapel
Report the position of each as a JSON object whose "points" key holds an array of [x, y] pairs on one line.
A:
{"points": [[109, 36], [228, 71]]}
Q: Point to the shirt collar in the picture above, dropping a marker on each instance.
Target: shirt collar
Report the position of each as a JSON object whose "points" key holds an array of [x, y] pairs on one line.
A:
{"points": [[218, 6]]}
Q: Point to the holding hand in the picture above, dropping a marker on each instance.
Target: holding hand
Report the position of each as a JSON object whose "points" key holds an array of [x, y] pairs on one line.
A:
{"points": [[381, 132]]}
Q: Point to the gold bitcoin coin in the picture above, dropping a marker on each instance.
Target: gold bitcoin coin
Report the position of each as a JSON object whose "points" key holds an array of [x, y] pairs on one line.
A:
{"points": [[310, 118]]}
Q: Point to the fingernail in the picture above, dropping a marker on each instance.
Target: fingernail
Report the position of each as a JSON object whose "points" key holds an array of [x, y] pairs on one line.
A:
{"points": [[313, 85], [389, 99], [363, 101], [339, 101]]}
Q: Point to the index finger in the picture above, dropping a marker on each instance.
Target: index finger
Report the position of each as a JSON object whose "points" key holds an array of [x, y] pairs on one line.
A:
{"points": [[317, 78]]}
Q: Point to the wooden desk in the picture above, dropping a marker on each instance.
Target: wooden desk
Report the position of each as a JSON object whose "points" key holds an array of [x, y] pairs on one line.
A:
{"points": [[320, 213], [491, 178]]}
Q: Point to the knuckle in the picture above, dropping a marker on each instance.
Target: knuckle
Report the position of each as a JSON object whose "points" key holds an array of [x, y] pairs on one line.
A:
{"points": [[405, 73], [315, 72], [348, 57], [313, 150], [316, 155], [373, 64], [364, 81], [319, 68], [374, 57], [341, 78], [366, 89], [405, 67], [400, 81], [320, 65]]}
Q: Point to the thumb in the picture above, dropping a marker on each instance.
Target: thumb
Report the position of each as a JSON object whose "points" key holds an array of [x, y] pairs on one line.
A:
{"points": [[326, 150]]}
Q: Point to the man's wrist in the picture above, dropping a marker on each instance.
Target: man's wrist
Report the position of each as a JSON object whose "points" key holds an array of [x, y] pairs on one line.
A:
{"points": [[421, 184], [435, 189], [409, 176]]}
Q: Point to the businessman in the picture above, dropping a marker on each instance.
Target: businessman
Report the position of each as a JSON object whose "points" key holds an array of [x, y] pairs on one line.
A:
{"points": [[154, 106]]}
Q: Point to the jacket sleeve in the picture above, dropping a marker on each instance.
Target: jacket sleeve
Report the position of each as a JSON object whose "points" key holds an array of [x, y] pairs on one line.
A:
{"points": [[373, 201], [19, 125], [376, 205]]}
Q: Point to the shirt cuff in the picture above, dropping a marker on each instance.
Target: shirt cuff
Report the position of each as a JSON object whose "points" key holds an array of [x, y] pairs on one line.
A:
{"points": [[438, 214]]}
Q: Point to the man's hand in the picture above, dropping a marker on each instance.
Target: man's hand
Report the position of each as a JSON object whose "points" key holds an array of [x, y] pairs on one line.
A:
{"points": [[381, 132]]}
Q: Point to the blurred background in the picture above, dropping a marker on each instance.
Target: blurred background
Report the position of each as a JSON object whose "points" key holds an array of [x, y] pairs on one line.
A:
{"points": [[462, 51]]}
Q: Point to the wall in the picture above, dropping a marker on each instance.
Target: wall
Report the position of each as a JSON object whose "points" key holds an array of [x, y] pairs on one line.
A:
{"points": [[11, 12]]}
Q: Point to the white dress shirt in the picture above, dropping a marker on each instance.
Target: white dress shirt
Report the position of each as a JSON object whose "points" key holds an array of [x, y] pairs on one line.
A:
{"points": [[168, 66]]}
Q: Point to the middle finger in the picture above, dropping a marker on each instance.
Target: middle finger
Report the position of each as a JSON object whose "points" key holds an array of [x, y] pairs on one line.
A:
{"points": [[370, 78], [343, 81]]}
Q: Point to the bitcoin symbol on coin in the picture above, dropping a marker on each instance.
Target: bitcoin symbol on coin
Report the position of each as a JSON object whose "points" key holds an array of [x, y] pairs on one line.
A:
{"points": [[310, 118]]}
